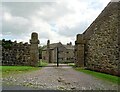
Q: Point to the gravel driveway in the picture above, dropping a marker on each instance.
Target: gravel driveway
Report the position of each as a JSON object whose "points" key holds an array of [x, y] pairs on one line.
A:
{"points": [[59, 78]]}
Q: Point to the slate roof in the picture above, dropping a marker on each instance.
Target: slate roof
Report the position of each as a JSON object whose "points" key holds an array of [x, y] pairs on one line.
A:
{"points": [[54, 45], [69, 47]]}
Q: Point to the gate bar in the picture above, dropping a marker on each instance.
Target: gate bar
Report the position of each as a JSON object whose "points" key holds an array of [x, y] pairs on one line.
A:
{"points": [[57, 58]]}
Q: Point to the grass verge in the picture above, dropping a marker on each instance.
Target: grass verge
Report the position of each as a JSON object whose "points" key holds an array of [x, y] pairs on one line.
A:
{"points": [[71, 64], [9, 70], [107, 77], [42, 63]]}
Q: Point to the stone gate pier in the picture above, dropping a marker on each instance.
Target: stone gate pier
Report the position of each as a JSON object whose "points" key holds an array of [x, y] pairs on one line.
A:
{"points": [[34, 53], [79, 50]]}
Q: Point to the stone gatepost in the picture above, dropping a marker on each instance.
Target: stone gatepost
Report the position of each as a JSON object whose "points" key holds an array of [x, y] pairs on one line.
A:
{"points": [[79, 50], [75, 54], [48, 52], [34, 52]]}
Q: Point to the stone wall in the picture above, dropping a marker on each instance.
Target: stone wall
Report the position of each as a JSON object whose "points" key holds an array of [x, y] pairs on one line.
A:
{"points": [[102, 49], [14, 53]]}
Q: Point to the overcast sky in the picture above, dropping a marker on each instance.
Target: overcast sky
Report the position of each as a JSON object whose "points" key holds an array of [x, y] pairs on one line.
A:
{"points": [[57, 21]]}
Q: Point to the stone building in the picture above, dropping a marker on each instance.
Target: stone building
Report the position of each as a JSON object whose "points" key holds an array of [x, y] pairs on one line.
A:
{"points": [[14, 53], [57, 51], [98, 48]]}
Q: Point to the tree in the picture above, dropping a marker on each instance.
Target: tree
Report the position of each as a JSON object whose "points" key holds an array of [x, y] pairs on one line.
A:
{"points": [[7, 44]]}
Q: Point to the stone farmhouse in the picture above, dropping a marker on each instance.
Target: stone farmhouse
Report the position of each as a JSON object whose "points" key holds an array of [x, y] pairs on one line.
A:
{"points": [[98, 48], [57, 51], [14, 53]]}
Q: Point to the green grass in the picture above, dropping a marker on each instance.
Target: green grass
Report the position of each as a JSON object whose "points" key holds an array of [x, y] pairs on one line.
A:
{"points": [[71, 64], [42, 63], [107, 77], [8, 70]]}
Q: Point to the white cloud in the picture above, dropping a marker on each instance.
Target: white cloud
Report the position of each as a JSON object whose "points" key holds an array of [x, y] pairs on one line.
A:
{"points": [[57, 21], [14, 25], [7, 16]]}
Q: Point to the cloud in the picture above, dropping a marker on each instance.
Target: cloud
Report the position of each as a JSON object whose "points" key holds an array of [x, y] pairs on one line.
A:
{"points": [[24, 9], [71, 32], [57, 21], [14, 25]]}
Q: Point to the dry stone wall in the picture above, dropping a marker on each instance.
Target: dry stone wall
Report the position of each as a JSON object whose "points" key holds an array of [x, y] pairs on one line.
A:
{"points": [[14, 53], [17, 54]]}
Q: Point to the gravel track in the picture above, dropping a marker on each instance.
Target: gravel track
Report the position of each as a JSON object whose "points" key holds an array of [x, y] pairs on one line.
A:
{"points": [[58, 78]]}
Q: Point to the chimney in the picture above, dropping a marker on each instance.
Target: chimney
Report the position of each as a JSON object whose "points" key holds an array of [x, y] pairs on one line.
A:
{"points": [[48, 43], [69, 43]]}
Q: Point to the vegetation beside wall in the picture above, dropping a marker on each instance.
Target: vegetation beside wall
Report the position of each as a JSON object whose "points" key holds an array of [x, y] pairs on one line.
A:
{"points": [[42, 63], [103, 76], [6, 44], [107, 77]]}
